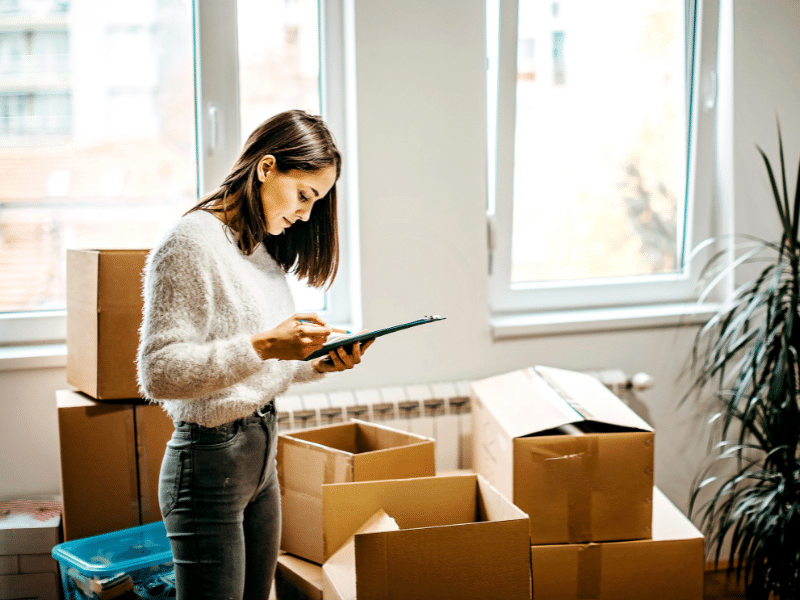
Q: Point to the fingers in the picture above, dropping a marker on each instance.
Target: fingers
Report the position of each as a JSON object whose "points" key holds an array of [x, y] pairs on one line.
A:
{"points": [[342, 360], [314, 333], [310, 318], [345, 359]]}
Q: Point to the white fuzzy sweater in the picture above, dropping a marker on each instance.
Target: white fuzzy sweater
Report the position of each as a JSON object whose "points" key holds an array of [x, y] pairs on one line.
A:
{"points": [[203, 299]]}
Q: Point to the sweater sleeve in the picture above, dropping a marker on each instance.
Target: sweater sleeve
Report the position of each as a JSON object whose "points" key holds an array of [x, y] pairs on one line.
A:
{"points": [[177, 357], [305, 372]]}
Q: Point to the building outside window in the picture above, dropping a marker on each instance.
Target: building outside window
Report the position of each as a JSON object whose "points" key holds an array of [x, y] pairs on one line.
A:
{"points": [[593, 200], [98, 131]]}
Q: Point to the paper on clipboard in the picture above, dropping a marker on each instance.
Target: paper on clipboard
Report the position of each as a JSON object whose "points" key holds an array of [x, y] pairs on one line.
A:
{"points": [[348, 340]]}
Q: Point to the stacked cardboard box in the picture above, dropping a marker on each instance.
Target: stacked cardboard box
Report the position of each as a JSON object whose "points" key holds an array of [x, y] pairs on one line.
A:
{"points": [[112, 442], [104, 312], [27, 570], [580, 462], [364, 510], [110, 460]]}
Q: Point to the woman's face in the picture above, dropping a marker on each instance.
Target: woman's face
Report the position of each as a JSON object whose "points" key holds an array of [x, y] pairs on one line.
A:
{"points": [[290, 196]]}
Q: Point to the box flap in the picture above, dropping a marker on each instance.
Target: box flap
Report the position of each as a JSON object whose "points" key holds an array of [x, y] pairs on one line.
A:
{"points": [[492, 506], [339, 571], [418, 502], [471, 561], [310, 465], [593, 400], [401, 462], [372, 437], [339, 437], [301, 532], [303, 575], [536, 399], [523, 403]]}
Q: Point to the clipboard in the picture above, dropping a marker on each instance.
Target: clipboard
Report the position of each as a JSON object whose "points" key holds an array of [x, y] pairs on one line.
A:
{"points": [[362, 337]]}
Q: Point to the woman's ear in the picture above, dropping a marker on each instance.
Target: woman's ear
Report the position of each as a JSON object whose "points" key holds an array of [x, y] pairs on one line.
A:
{"points": [[265, 165]]}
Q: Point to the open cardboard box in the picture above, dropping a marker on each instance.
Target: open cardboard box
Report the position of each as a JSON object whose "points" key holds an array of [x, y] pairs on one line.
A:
{"points": [[104, 313], [457, 537], [593, 486], [666, 567], [353, 451]]}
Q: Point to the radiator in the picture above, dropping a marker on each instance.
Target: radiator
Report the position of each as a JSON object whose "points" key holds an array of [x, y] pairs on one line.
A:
{"points": [[436, 410], [441, 411]]}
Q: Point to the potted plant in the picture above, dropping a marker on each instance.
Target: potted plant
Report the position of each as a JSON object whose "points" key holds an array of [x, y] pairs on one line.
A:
{"points": [[748, 353]]}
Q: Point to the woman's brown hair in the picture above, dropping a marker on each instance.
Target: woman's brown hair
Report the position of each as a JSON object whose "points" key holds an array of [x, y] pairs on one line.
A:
{"points": [[300, 141]]}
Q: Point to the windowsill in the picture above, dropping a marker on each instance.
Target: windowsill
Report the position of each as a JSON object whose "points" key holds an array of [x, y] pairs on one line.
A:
{"points": [[53, 356], [39, 356], [599, 319]]}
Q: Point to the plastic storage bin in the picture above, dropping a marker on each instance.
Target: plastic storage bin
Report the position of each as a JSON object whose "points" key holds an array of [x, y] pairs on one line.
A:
{"points": [[127, 564]]}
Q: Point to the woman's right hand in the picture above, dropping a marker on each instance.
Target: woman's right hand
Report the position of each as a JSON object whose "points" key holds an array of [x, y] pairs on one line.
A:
{"points": [[294, 339]]}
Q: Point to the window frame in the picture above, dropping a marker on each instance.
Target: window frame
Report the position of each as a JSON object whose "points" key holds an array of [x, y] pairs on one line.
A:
{"points": [[512, 301], [217, 144]]}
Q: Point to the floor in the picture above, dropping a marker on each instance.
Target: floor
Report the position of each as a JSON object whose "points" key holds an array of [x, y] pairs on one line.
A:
{"points": [[717, 587]]}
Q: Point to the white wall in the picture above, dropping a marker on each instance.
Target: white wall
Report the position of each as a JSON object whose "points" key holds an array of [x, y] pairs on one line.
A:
{"points": [[422, 168]]}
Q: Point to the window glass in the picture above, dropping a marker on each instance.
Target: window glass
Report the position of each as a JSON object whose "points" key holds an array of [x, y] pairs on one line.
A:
{"points": [[279, 69], [600, 140], [97, 136]]}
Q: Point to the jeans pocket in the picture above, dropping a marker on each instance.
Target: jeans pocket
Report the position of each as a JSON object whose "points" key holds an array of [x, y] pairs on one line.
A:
{"points": [[169, 480], [211, 438]]}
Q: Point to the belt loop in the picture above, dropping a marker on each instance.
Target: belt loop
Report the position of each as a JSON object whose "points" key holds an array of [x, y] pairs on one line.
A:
{"points": [[268, 408]]}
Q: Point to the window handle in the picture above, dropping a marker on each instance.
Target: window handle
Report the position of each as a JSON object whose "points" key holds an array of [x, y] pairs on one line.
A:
{"points": [[710, 95], [491, 231], [491, 237], [213, 129]]}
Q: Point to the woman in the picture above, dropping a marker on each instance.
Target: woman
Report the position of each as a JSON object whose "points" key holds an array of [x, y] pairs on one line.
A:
{"points": [[219, 341]]}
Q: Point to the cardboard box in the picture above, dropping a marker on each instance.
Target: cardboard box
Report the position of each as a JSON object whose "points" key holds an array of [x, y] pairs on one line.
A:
{"points": [[353, 451], [27, 569], [41, 586], [666, 567], [22, 534], [110, 460], [458, 537], [153, 430], [576, 488], [297, 579], [339, 571], [104, 313]]}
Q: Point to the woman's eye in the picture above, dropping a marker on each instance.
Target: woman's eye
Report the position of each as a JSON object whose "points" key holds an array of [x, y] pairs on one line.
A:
{"points": [[303, 197]]}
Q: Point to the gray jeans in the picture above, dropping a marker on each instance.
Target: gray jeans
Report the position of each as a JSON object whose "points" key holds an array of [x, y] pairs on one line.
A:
{"points": [[219, 497]]}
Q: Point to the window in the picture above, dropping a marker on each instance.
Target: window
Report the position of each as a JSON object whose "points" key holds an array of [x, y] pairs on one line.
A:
{"points": [[115, 115], [597, 199]]}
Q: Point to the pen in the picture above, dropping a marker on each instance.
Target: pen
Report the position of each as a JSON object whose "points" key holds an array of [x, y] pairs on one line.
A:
{"points": [[335, 329]]}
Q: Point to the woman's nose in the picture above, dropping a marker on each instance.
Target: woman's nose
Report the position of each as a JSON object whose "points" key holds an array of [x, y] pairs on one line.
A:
{"points": [[304, 213]]}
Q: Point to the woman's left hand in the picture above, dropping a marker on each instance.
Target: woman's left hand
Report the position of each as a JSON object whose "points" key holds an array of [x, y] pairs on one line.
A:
{"points": [[339, 359]]}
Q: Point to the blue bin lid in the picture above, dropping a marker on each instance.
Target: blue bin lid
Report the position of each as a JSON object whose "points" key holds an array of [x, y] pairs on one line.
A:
{"points": [[110, 553]]}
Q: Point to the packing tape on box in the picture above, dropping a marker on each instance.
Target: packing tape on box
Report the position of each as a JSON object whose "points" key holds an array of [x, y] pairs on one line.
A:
{"points": [[590, 571], [576, 473]]}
